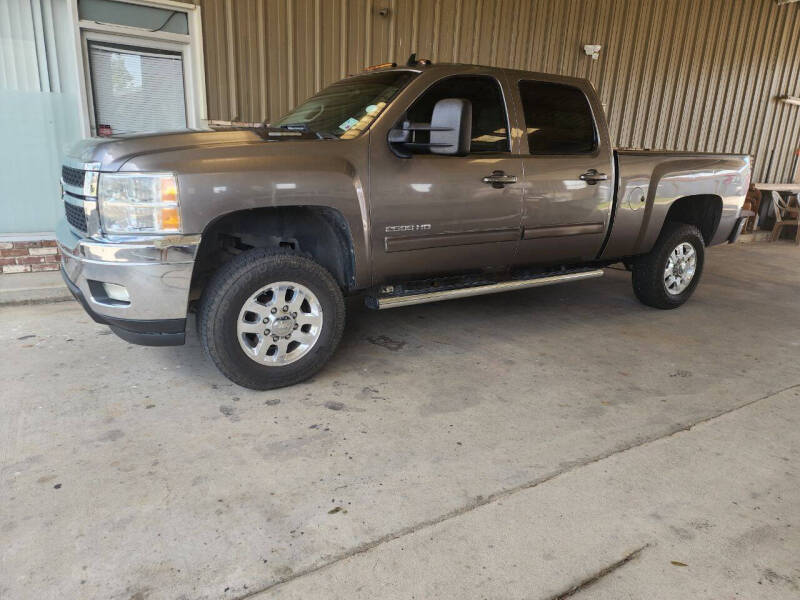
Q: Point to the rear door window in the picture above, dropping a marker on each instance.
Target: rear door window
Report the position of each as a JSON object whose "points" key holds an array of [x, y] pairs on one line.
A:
{"points": [[558, 119]]}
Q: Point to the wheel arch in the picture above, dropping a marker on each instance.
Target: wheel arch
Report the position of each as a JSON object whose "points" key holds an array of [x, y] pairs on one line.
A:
{"points": [[704, 211], [319, 232]]}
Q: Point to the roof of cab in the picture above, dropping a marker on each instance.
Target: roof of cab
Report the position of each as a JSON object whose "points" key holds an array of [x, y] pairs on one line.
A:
{"points": [[455, 68]]}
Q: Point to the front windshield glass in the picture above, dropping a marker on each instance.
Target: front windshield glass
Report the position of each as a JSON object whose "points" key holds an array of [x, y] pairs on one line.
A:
{"points": [[346, 108]]}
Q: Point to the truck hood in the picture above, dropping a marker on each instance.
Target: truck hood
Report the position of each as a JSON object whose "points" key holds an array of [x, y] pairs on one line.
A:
{"points": [[109, 154]]}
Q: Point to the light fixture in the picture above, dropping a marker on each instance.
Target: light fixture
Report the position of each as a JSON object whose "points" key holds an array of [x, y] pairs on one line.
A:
{"points": [[117, 292], [592, 50]]}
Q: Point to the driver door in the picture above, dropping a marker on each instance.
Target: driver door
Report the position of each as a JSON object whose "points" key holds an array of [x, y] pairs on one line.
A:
{"points": [[434, 214]]}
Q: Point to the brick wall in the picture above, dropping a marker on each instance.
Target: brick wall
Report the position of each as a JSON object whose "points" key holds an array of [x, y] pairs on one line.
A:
{"points": [[27, 257]]}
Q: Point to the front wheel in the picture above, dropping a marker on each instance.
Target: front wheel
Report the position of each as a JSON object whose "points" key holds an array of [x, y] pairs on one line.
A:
{"points": [[271, 319], [667, 276]]}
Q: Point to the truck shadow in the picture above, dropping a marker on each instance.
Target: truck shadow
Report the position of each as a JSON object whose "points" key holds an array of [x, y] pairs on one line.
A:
{"points": [[386, 338], [586, 320]]}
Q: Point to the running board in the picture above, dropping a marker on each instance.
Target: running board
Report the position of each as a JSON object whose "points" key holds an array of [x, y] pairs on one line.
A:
{"points": [[480, 290]]}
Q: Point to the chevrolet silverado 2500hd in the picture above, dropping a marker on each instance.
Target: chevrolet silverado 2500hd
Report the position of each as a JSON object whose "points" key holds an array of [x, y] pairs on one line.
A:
{"points": [[409, 184]]}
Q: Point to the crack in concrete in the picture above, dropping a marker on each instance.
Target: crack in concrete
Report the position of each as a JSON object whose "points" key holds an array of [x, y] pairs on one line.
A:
{"points": [[594, 578], [482, 501]]}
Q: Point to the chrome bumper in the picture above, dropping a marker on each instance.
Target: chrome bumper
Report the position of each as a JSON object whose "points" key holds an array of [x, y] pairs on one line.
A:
{"points": [[155, 270]]}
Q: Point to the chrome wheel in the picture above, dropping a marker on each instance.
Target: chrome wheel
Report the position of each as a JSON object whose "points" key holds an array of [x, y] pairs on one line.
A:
{"points": [[279, 323], [680, 269]]}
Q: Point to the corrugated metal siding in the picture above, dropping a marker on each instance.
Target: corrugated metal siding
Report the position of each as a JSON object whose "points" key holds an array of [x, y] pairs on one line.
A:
{"points": [[673, 74]]}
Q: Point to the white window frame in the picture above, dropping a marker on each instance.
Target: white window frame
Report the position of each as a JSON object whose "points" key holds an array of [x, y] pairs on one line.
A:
{"points": [[189, 46]]}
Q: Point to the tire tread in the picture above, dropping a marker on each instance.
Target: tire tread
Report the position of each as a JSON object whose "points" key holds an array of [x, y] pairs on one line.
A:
{"points": [[232, 279], [648, 270]]}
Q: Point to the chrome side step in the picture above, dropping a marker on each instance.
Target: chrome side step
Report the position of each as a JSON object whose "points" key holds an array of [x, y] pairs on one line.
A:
{"points": [[479, 290]]}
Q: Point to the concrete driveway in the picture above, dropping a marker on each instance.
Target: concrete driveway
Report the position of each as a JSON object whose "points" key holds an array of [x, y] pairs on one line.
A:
{"points": [[565, 441]]}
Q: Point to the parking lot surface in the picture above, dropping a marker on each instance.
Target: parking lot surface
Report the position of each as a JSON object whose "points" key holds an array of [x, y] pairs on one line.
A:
{"points": [[562, 440]]}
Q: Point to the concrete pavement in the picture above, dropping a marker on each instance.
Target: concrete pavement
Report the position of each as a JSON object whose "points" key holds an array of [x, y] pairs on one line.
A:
{"points": [[690, 515], [33, 288], [507, 446]]}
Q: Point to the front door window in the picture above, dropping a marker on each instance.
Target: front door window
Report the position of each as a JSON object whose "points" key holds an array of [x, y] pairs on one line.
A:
{"points": [[489, 121]]}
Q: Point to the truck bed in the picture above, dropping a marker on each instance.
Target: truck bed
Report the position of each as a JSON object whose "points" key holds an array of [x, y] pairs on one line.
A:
{"points": [[648, 183]]}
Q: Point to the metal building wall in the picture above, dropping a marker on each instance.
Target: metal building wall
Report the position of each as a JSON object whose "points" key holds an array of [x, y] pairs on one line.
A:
{"points": [[38, 108], [673, 74]]}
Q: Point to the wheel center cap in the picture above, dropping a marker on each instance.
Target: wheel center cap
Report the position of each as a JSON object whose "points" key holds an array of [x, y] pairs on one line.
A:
{"points": [[283, 325]]}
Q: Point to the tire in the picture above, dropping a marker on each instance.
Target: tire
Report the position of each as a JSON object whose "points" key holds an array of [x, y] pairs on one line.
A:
{"points": [[231, 334], [650, 280]]}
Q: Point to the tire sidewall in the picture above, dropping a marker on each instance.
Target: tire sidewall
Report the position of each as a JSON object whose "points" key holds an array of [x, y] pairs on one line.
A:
{"points": [[689, 235], [237, 286]]}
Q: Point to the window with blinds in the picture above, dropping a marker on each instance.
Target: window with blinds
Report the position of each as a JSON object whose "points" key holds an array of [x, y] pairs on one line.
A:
{"points": [[136, 90]]}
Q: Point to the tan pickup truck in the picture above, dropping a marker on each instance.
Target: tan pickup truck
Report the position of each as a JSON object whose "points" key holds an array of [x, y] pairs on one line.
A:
{"points": [[406, 184]]}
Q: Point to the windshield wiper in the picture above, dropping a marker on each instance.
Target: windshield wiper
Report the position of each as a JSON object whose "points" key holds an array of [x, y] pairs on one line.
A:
{"points": [[303, 127], [293, 126]]}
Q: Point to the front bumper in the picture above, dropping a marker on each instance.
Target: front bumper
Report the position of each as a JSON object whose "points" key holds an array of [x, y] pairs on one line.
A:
{"points": [[156, 271]]}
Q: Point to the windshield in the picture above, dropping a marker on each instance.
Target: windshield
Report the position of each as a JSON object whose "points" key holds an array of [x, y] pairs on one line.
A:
{"points": [[346, 108]]}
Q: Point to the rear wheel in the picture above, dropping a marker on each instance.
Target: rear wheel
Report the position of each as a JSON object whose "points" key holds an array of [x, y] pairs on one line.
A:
{"points": [[271, 319], [667, 276]]}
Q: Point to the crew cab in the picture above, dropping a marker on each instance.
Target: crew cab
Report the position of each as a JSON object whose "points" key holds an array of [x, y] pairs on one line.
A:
{"points": [[406, 184]]}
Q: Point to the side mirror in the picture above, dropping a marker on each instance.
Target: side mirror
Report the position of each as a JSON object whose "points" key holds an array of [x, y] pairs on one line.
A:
{"points": [[451, 127], [450, 131]]}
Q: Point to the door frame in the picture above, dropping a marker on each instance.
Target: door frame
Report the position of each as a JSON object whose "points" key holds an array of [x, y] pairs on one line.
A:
{"points": [[549, 236], [415, 244], [420, 237]]}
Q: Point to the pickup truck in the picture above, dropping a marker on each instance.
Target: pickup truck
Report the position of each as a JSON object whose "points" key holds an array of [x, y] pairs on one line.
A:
{"points": [[405, 184]]}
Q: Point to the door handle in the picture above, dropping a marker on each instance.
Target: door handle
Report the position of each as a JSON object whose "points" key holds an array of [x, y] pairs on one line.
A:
{"points": [[592, 176], [499, 179]]}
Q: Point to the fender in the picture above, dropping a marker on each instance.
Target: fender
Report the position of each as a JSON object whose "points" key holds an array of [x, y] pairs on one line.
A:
{"points": [[215, 181], [649, 184]]}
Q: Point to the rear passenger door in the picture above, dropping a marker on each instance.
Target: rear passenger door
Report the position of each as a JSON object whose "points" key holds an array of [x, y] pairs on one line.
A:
{"points": [[568, 176]]}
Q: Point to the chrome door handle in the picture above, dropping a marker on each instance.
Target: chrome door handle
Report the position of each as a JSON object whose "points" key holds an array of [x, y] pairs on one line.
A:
{"points": [[592, 176], [498, 179]]}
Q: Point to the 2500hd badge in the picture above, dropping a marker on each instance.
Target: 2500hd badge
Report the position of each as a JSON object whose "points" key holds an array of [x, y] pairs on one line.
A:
{"points": [[397, 228]]}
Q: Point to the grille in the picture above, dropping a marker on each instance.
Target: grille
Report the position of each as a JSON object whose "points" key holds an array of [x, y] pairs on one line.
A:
{"points": [[75, 216], [73, 177]]}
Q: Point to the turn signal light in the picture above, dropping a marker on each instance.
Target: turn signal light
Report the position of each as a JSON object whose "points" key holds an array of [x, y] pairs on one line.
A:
{"points": [[170, 218]]}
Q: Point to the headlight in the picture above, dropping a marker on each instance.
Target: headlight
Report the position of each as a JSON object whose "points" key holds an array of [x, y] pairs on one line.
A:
{"points": [[139, 203]]}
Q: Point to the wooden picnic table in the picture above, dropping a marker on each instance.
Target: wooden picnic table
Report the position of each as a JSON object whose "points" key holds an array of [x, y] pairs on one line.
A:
{"points": [[792, 188]]}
